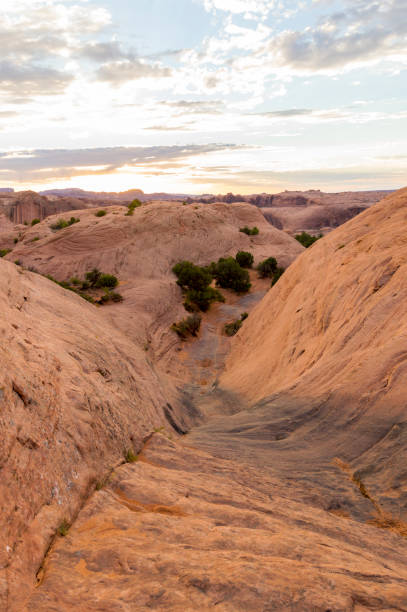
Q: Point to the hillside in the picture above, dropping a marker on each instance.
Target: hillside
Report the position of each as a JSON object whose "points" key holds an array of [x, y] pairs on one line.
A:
{"points": [[141, 250], [278, 485], [75, 395], [326, 349]]}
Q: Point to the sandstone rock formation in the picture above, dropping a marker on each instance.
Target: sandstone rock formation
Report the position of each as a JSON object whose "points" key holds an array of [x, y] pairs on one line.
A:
{"points": [[322, 360], [75, 395], [141, 250], [314, 211], [182, 532], [287, 494]]}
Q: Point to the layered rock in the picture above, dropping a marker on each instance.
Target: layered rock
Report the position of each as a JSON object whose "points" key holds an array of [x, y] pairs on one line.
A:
{"points": [[75, 396], [322, 360]]}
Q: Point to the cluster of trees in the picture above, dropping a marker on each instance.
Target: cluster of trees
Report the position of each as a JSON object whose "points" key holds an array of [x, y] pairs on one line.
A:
{"points": [[62, 223], [306, 239], [228, 273]]}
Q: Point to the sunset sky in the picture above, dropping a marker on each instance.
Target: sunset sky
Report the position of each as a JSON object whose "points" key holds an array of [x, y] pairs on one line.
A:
{"points": [[199, 96]]}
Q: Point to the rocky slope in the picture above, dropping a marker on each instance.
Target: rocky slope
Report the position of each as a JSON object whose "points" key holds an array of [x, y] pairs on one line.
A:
{"points": [[75, 395], [314, 211], [289, 497], [323, 362], [141, 250]]}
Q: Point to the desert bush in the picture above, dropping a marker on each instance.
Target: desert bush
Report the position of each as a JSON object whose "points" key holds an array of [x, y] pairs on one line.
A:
{"points": [[130, 456], [267, 268], [35, 221], [92, 277], [230, 275], [279, 272], [249, 231], [202, 299], [191, 276], [132, 206], [62, 223], [231, 329], [106, 280], [244, 259], [63, 528], [3, 252], [74, 280], [188, 326], [100, 213], [306, 239]]}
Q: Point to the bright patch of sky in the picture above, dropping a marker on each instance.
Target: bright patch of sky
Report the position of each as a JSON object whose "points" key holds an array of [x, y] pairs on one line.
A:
{"points": [[229, 95]]}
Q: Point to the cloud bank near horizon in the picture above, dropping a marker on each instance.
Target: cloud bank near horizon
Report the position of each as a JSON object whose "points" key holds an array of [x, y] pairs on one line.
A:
{"points": [[299, 77]]}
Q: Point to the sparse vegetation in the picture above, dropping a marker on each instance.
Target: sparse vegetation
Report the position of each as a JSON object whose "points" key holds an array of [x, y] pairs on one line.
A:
{"points": [[63, 528], [3, 252], [195, 283], [188, 326], [277, 274], [231, 329], [62, 223], [249, 231], [100, 213], [229, 275], [267, 268], [35, 239], [244, 259], [94, 280], [270, 269], [130, 456], [306, 239], [132, 206], [35, 221]]}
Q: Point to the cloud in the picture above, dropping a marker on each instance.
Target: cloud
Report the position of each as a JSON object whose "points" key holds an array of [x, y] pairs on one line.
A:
{"points": [[43, 164], [129, 70], [245, 7], [197, 107], [365, 32], [289, 112], [32, 79]]}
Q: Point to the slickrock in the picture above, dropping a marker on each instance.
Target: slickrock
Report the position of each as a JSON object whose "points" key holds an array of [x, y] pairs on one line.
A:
{"points": [[141, 250], [75, 395], [314, 211], [323, 362], [182, 532]]}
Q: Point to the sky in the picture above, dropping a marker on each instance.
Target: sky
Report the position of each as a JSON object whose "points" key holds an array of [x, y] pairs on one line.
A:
{"points": [[203, 96]]}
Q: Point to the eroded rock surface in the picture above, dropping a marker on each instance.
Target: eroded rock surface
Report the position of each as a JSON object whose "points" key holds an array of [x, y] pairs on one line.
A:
{"points": [[182, 531]]}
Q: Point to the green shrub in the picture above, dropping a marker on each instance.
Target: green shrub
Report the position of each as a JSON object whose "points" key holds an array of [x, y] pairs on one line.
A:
{"points": [[3, 252], [18, 262], [230, 275], [35, 221], [106, 280], [201, 300], [249, 231], [15, 240], [191, 276], [63, 528], [35, 239], [75, 280], [244, 259], [100, 213], [188, 326], [306, 239], [62, 223], [132, 206], [130, 456], [267, 268], [231, 329], [111, 296], [92, 278], [279, 272]]}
